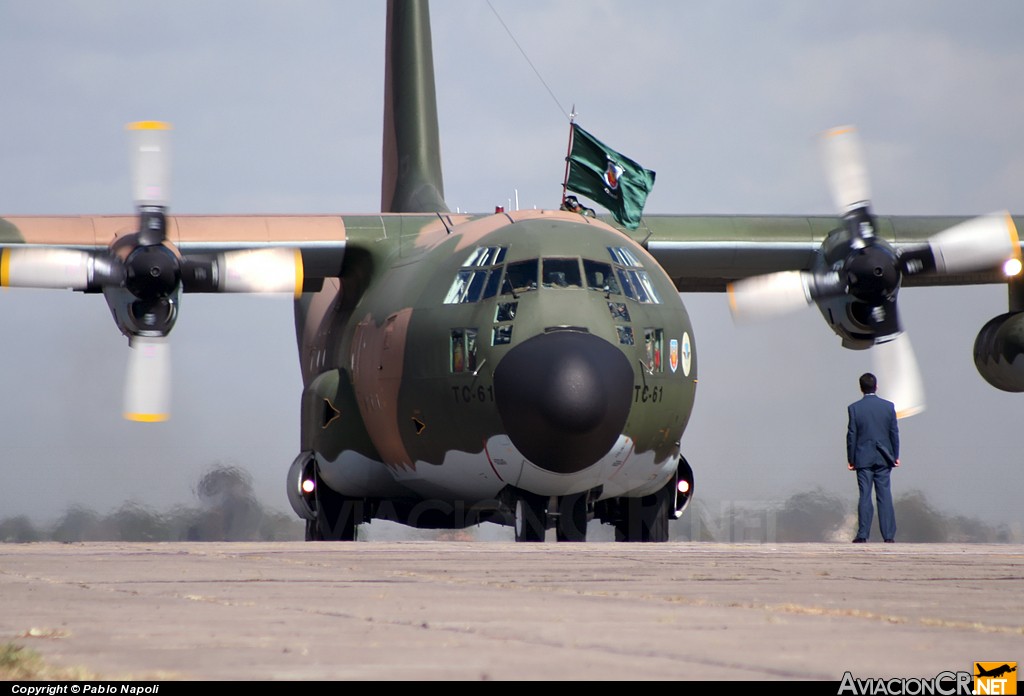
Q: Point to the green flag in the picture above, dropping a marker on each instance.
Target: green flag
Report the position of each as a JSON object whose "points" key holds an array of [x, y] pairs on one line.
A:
{"points": [[602, 174]]}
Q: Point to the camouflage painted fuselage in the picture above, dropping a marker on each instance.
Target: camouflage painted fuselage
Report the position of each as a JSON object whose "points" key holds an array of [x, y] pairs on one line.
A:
{"points": [[405, 392]]}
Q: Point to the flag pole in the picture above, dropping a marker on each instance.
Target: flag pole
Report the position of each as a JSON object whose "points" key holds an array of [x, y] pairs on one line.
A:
{"points": [[568, 153]]}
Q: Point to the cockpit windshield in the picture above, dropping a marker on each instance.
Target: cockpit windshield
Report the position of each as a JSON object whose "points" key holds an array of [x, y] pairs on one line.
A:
{"points": [[520, 276], [562, 273], [600, 277]]}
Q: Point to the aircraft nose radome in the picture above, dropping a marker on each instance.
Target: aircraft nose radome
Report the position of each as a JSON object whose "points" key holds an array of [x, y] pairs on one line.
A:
{"points": [[564, 398]]}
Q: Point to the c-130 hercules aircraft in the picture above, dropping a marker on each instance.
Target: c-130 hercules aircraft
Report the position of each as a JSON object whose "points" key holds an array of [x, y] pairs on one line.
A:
{"points": [[532, 367]]}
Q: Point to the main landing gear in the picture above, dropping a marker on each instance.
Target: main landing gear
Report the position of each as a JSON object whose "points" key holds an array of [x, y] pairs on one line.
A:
{"points": [[642, 519], [337, 516], [533, 516], [647, 518]]}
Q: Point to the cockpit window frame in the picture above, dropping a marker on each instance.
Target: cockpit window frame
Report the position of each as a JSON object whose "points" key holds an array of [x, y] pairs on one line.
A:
{"points": [[590, 270], [568, 267], [507, 288], [479, 277], [636, 282]]}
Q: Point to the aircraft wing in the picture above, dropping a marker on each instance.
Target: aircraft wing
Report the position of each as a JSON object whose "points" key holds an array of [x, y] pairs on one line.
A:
{"points": [[706, 253], [700, 253], [320, 238]]}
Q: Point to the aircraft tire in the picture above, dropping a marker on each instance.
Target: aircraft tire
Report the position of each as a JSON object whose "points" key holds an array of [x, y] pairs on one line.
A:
{"points": [[645, 519], [337, 516], [656, 526], [531, 516], [572, 517]]}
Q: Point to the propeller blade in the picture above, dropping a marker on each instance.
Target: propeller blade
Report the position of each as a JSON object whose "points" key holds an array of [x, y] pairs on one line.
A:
{"points": [[899, 379], [884, 320], [983, 242], [151, 162], [261, 271], [147, 390], [769, 295], [45, 268], [845, 168]]}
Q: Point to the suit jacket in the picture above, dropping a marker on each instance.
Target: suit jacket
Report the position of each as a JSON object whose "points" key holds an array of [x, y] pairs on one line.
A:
{"points": [[872, 437]]}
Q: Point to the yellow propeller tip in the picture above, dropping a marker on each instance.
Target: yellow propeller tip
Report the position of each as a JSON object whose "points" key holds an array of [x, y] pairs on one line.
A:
{"points": [[1014, 237], [148, 125], [908, 412], [299, 273], [731, 292], [147, 417]]}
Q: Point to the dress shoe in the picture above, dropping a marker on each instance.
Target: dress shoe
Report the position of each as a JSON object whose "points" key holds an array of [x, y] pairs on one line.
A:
{"points": [[890, 541], [859, 540]]}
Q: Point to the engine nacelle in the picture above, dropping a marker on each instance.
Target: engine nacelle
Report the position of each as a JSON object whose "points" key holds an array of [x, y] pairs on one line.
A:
{"points": [[145, 300], [135, 317], [848, 319], [998, 349], [874, 280]]}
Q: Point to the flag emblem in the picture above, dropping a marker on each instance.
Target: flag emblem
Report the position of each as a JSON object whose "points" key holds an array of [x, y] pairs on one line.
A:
{"points": [[612, 175], [603, 175]]}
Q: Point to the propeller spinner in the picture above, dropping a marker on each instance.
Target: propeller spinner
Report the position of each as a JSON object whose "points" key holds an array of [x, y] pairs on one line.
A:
{"points": [[871, 270]]}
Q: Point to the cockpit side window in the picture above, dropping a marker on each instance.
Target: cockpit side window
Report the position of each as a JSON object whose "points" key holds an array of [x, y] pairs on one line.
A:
{"points": [[627, 287], [638, 285], [654, 343], [636, 282], [625, 335], [645, 281], [491, 289], [619, 311], [463, 350], [624, 257], [479, 276], [486, 256]]}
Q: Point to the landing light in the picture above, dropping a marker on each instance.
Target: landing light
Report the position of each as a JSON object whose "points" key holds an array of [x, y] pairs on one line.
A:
{"points": [[684, 486], [308, 486], [1012, 267]]}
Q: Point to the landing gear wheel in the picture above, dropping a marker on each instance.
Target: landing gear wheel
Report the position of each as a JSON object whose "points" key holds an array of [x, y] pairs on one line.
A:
{"points": [[645, 519], [572, 517], [657, 522], [531, 516], [337, 515]]}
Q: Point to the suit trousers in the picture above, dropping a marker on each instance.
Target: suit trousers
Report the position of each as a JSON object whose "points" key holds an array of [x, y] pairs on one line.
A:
{"points": [[876, 476]]}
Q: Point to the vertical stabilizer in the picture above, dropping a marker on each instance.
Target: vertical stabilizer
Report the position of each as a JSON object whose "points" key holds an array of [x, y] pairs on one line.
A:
{"points": [[411, 180]]}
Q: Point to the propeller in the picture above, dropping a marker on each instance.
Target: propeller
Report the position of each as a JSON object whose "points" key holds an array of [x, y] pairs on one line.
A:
{"points": [[870, 270], [142, 274], [152, 276], [895, 366], [147, 387]]}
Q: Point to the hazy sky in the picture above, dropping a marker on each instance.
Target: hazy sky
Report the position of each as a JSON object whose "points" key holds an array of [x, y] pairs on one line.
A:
{"points": [[277, 109]]}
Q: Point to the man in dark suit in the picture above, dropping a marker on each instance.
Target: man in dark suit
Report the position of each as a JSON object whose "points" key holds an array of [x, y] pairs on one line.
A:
{"points": [[872, 450]]}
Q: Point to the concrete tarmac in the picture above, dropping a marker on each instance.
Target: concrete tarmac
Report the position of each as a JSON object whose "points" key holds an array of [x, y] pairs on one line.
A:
{"points": [[472, 610]]}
